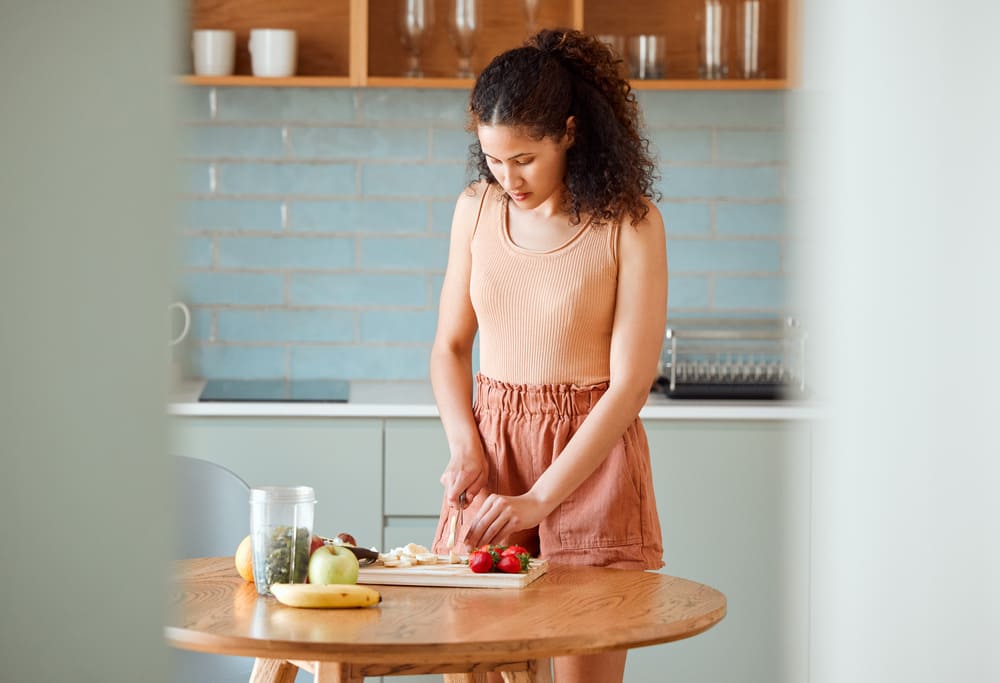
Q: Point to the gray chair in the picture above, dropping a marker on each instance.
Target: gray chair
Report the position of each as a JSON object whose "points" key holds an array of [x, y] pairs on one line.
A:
{"points": [[213, 516], [213, 509]]}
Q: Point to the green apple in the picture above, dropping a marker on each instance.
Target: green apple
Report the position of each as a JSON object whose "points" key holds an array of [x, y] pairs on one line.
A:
{"points": [[333, 564]]}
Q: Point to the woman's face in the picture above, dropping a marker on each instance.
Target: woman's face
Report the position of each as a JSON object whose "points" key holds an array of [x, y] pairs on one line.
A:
{"points": [[530, 171]]}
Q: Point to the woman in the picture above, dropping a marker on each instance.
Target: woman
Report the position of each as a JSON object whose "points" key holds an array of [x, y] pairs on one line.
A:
{"points": [[558, 259]]}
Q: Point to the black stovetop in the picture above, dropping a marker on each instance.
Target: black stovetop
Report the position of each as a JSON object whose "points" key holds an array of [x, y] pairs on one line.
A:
{"points": [[271, 390]]}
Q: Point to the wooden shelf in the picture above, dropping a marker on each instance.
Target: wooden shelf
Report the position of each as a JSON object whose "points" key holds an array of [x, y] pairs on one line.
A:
{"points": [[427, 82], [723, 84], [504, 24], [256, 82], [356, 43], [323, 31], [461, 83], [677, 21]]}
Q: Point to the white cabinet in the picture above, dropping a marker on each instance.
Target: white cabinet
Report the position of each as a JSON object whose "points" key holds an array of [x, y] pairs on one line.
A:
{"points": [[733, 498], [734, 504], [416, 453], [340, 458]]}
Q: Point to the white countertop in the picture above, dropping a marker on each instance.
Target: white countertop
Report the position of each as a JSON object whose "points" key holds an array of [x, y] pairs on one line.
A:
{"points": [[415, 399]]}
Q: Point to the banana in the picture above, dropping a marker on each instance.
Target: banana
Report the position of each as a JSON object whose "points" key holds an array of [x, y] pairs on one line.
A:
{"points": [[332, 595]]}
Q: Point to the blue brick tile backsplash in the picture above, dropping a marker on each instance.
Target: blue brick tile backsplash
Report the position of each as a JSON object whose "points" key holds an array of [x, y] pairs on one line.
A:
{"points": [[365, 216], [282, 105], [285, 253], [313, 223], [270, 325]]}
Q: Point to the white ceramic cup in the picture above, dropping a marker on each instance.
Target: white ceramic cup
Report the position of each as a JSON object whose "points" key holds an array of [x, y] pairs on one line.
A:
{"points": [[214, 52], [272, 52], [186, 313]]}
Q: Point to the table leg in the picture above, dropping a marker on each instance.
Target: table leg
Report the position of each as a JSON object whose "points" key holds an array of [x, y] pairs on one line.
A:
{"points": [[334, 672], [273, 671], [539, 671]]}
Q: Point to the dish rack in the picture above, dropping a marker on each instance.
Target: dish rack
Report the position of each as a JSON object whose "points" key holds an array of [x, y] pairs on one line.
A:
{"points": [[733, 358]]}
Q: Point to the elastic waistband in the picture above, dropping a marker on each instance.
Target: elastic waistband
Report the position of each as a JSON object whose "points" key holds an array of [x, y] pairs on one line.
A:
{"points": [[534, 399]]}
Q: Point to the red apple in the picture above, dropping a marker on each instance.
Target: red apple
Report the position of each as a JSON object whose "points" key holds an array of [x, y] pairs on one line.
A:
{"points": [[317, 542]]}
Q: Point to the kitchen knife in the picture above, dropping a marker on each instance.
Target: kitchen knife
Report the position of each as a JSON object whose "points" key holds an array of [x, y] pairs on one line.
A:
{"points": [[456, 521]]}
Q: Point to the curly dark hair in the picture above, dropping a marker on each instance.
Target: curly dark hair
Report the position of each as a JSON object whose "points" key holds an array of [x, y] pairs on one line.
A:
{"points": [[560, 73]]}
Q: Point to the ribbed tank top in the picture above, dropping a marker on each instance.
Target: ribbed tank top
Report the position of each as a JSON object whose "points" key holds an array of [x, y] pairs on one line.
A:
{"points": [[544, 317]]}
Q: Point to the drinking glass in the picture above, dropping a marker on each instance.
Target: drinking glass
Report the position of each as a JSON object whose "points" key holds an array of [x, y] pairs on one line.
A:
{"points": [[415, 22], [713, 24], [531, 14], [464, 21], [748, 39], [646, 56], [615, 42]]}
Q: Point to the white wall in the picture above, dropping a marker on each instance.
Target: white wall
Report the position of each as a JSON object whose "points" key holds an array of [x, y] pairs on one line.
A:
{"points": [[85, 191], [896, 160]]}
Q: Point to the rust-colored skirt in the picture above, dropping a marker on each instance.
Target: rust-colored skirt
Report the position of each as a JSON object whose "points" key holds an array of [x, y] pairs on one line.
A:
{"points": [[609, 521]]}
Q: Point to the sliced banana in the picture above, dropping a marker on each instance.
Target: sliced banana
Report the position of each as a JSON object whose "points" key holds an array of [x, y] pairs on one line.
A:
{"points": [[408, 556]]}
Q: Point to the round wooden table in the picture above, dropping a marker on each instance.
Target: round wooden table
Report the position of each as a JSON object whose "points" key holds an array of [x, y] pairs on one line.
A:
{"points": [[421, 630]]}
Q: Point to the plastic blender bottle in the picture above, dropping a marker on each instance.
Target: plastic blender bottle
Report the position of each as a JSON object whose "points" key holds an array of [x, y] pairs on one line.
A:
{"points": [[281, 526]]}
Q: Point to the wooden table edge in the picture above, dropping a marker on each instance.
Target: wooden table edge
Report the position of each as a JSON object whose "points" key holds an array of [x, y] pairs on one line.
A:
{"points": [[557, 646], [355, 653]]}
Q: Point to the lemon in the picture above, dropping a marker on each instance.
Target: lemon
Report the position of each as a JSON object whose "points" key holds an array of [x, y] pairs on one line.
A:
{"points": [[244, 560]]}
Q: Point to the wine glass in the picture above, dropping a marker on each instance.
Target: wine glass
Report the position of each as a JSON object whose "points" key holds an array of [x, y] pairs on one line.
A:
{"points": [[465, 19], [416, 20], [531, 14]]}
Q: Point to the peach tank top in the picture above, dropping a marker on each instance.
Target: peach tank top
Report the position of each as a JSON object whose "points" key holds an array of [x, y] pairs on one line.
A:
{"points": [[545, 317]]}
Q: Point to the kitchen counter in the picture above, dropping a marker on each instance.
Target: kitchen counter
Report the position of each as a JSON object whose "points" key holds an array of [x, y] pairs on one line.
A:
{"points": [[415, 399]]}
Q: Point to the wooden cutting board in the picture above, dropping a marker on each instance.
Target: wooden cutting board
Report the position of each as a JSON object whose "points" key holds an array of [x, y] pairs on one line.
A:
{"points": [[442, 574]]}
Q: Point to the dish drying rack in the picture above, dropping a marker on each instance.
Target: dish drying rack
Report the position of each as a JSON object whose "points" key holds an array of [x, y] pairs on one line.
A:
{"points": [[733, 358]]}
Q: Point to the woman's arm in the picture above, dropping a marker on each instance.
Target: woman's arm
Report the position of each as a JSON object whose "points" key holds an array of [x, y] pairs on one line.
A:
{"points": [[636, 342], [451, 358]]}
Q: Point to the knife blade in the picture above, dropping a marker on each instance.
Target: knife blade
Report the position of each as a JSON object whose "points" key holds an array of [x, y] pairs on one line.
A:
{"points": [[461, 508], [456, 522], [452, 557]]}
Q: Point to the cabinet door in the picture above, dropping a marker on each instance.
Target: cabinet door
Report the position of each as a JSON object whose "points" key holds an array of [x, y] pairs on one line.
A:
{"points": [[416, 452], [733, 499], [341, 459]]}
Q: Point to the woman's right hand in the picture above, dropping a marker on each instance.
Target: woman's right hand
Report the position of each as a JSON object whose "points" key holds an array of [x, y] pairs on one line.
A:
{"points": [[466, 472]]}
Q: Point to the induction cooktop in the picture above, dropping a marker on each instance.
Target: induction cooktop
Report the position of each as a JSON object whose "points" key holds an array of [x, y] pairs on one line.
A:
{"points": [[276, 390]]}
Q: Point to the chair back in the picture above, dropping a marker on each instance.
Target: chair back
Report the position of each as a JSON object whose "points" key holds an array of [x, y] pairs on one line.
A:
{"points": [[213, 516], [213, 505]]}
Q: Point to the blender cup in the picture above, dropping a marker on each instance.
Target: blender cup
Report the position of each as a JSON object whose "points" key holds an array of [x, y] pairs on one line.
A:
{"points": [[281, 526]]}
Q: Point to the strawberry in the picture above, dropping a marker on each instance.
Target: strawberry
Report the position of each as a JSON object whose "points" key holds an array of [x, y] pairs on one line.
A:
{"points": [[480, 561], [494, 550], [515, 550], [513, 564]]}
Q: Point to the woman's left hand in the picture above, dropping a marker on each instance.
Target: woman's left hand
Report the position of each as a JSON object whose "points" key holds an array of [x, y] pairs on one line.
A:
{"points": [[501, 516]]}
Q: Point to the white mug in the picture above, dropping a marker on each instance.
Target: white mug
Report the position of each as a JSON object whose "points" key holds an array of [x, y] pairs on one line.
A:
{"points": [[187, 322], [214, 52], [272, 52]]}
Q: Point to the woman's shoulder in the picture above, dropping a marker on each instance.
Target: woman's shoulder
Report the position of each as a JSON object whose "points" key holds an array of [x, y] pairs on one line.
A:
{"points": [[473, 193], [651, 218], [467, 207], [648, 233]]}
